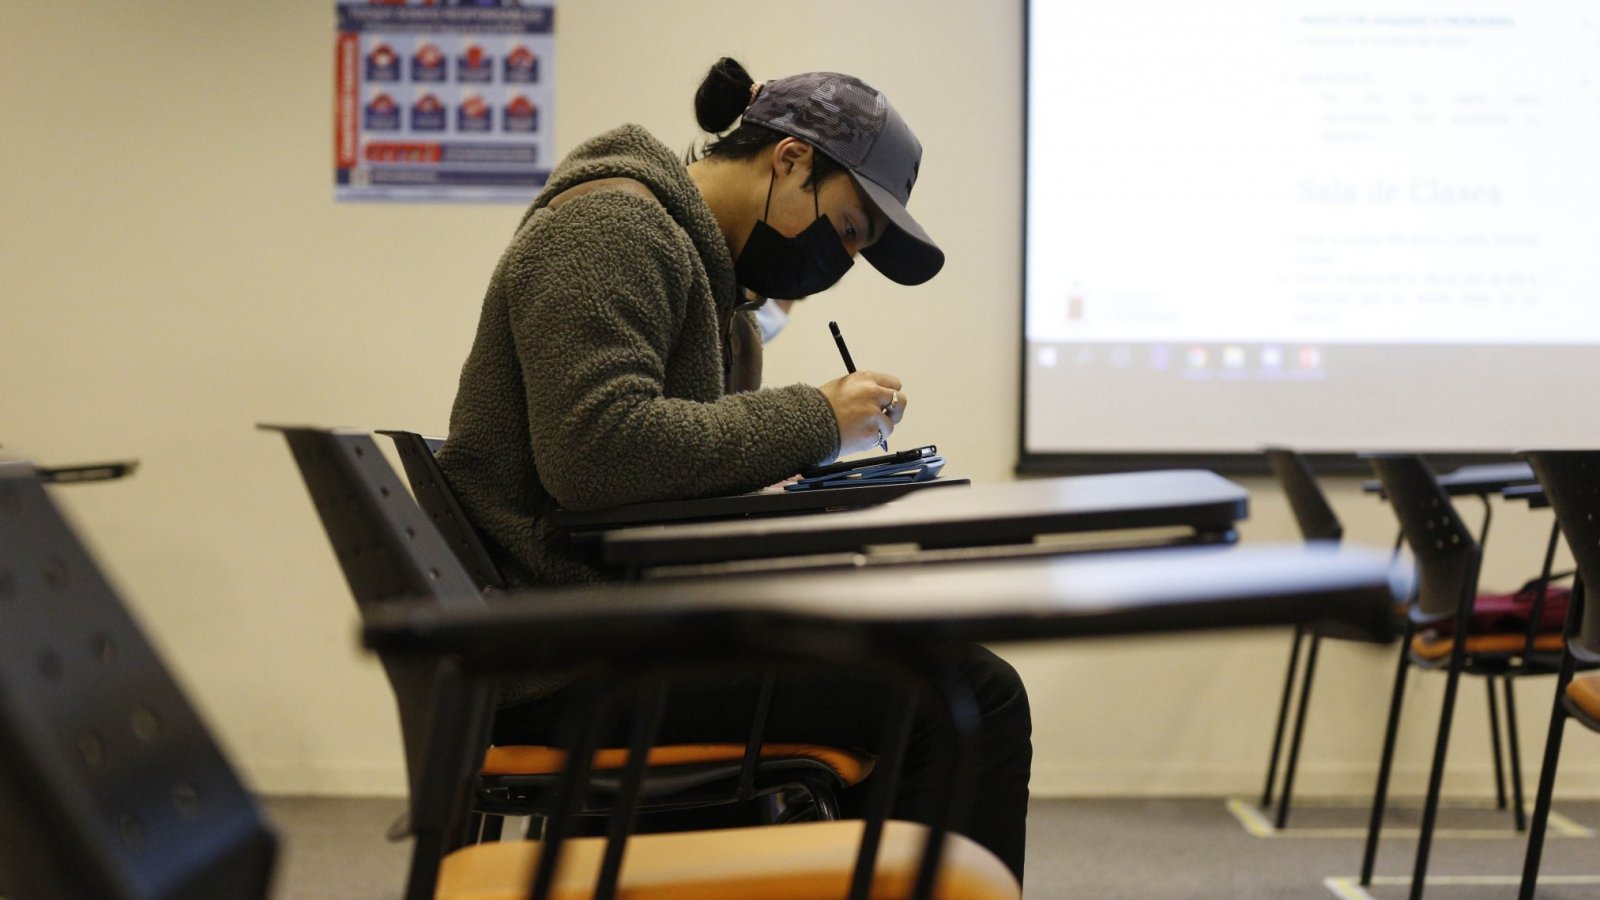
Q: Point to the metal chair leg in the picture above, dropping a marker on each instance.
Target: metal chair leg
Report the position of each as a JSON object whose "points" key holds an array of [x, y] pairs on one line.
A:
{"points": [[1299, 730], [1283, 717], [1547, 785], [1441, 746], [1380, 793], [474, 828], [1494, 744], [1519, 816]]}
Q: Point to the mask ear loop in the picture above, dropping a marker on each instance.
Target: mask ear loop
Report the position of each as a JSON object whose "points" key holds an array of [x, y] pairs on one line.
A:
{"points": [[771, 180], [815, 188]]}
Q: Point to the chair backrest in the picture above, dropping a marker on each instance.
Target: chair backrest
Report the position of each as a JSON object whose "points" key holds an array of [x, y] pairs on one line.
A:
{"points": [[438, 500], [387, 549], [110, 785], [1312, 512], [1571, 480], [1447, 555]]}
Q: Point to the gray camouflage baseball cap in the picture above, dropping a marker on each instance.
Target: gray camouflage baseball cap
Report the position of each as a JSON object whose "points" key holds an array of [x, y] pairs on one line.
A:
{"points": [[848, 120]]}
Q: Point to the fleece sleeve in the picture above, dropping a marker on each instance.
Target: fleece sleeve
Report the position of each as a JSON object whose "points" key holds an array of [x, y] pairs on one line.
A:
{"points": [[597, 300]]}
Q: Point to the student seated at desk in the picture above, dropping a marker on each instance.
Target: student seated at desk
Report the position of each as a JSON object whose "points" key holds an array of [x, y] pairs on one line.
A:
{"points": [[614, 363]]}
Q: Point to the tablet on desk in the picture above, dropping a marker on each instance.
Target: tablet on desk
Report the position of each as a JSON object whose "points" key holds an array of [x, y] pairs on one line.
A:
{"points": [[924, 468], [851, 465]]}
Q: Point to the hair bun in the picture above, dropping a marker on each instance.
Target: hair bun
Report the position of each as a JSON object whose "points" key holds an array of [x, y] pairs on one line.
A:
{"points": [[722, 96]]}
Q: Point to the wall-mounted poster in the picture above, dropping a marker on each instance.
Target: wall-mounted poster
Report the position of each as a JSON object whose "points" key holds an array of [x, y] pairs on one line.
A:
{"points": [[447, 100]]}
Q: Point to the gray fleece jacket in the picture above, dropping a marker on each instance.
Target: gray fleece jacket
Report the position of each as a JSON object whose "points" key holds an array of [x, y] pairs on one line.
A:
{"points": [[599, 374]]}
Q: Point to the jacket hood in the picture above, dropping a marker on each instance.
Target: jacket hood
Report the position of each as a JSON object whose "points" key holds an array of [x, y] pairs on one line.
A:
{"points": [[632, 152]]}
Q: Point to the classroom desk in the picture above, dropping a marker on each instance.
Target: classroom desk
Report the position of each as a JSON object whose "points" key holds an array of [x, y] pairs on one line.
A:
{"points": [[998, 519], [1346, 591], [754, 504], [1532, 494], [884, 620], [1474, 481]]}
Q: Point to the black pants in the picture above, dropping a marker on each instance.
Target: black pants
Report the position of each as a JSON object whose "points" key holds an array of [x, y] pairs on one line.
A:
{"points": [[848, 712]]}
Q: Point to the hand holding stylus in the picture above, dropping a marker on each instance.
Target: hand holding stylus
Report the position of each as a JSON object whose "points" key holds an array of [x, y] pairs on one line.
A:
{"points": [[866, 405]]}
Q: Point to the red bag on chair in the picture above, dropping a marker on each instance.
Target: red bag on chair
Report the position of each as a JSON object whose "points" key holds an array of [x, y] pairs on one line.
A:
{"points": [[1502, 613]]}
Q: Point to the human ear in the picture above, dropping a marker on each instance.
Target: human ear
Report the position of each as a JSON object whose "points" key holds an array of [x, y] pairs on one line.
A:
{"points": [[789, 154]]}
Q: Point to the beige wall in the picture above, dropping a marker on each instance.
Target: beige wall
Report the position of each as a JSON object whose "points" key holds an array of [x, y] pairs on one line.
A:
{"points": [[174, 270]]}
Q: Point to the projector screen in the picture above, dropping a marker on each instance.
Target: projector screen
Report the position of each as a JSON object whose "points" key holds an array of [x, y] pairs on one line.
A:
{"points": [[1328, 225]]}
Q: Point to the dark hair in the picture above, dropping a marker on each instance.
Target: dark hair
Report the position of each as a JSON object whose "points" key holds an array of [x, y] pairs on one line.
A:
{"points": [[720, 101]]}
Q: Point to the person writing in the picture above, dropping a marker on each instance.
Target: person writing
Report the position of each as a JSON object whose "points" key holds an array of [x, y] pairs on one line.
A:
{"points": [[616, 362]]}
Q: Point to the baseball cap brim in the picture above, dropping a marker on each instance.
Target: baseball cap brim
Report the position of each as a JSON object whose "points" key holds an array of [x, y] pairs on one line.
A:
{"points": [[904, 253]]}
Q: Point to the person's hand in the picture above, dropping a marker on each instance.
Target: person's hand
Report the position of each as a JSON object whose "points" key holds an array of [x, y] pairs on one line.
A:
{"points": [[866, 406]]}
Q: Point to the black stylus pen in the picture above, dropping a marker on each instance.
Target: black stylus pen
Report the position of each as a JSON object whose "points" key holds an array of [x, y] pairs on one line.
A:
{"points": [[850, 367]]}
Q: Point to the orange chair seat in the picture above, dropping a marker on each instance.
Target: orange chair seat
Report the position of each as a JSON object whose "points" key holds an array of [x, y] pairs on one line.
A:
{"points": [[803, 861], [531, 759], [1585, 694], [1432, 647]]}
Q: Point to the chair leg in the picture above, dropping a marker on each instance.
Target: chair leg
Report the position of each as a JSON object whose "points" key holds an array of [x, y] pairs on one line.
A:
{"points": [[474, 828], [492, 828], [1494, 744], [1518, 815], [1299, 730], [1283, 717], [1441, 746], [1547, 785], [1380, 793]]}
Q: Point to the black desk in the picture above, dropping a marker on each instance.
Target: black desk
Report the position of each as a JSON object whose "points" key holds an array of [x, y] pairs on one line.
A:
{"points": [[1202, 504], [1532, 494], [755, 504], [1346, 591], [874, 619], [1479, 481]]}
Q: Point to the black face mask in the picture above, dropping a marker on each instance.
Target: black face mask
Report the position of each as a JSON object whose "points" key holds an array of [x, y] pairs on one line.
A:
{"points": [[789, 268]]}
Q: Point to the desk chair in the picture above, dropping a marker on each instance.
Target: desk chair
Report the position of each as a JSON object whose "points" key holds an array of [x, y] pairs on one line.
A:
{"points": [[1442, 634], [1485, 481], [872, 619], [389, 552], [110, 785], [1571, 482], [1317, 522], [628, 652]]}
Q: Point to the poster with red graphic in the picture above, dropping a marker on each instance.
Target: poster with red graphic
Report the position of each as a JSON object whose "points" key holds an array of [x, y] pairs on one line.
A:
{"points": [[443, 100]]}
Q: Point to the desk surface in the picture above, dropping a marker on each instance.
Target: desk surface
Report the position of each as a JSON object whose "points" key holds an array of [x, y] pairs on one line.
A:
{"points": [[1474, 480], [758, 503], [1532, 494], [1013, 512], [1348, 592]]}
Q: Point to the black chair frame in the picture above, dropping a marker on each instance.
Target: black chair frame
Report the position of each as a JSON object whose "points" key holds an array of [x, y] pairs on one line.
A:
{"points": [[1448, 559], [434, 494], [389, 552], [680, 788], [1317, 522], [1570, 479], [110, 784], [917, 667]]}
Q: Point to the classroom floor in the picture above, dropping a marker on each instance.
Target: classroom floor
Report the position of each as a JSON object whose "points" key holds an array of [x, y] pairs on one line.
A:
{"points": [[1105, 848]]}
